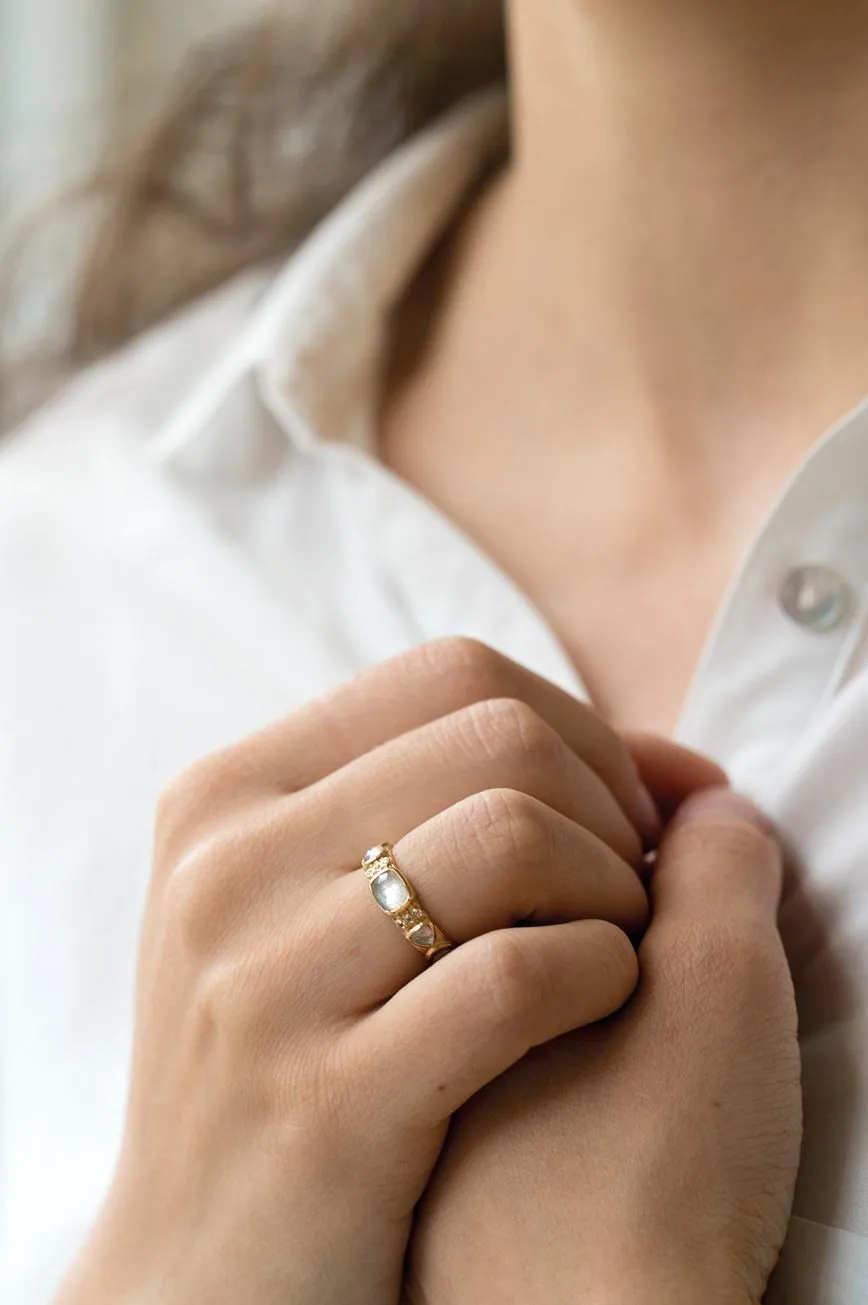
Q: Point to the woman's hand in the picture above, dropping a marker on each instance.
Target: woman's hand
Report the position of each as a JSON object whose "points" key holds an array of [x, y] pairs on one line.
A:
{"points": [[295, 1062], [651, 1159]]}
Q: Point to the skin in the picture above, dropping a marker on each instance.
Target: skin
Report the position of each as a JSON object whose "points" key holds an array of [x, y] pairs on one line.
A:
{"points": [[647, 321], [653, 1156], [684, 290], [296, 1065]]}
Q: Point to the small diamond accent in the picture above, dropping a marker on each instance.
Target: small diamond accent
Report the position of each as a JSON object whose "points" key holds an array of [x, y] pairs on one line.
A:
{"points": [[373, 854], [423, 935], [411, 916]]}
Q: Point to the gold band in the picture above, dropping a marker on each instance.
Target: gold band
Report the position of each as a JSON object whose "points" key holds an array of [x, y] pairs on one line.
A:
{"points": [[396, 897]]}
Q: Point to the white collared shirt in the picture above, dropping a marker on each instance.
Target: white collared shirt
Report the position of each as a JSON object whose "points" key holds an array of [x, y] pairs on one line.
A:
{"points": [[187, 553]]}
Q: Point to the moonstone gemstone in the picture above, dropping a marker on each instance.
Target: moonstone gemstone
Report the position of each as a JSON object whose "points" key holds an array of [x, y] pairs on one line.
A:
{"points": [[423, 935], [390, 891]]}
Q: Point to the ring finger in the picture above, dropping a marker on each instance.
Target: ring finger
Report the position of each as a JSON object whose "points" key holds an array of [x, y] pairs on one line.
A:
{"points": [[496, 859]]}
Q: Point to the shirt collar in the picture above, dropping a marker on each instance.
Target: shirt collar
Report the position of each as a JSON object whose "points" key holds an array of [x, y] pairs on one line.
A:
{"points": [[314, 343], [325, 322]]}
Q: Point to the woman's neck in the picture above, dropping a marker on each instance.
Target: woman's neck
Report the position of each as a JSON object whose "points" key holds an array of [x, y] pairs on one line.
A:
{"points": [[678, 257], [645, 323], [690, 198]]}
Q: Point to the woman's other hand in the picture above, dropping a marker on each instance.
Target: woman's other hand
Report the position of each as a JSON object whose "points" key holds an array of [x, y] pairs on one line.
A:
{"points": [[295, 1062], [653, 1158]]}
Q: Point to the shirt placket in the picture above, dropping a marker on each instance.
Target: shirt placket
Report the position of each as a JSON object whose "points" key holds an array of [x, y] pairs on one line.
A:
{"points": [[790, 633]]}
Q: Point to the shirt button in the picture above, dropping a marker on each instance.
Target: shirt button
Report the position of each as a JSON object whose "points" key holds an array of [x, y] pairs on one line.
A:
{"points": [[816, 597]]}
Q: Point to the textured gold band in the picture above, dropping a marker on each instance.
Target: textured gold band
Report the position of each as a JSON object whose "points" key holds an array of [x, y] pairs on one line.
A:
{"points": [[396, 897]]}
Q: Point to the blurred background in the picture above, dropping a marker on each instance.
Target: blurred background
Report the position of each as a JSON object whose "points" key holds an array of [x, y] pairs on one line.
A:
{"points": [[78, 79], [143, 112], [78, 76]]}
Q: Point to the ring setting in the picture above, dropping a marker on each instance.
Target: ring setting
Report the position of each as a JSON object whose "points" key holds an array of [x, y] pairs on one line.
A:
{"points": [[396, 897]]}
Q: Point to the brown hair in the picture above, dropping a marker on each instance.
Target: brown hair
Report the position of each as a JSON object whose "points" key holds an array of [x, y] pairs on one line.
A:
{"points": [[266, 129]]}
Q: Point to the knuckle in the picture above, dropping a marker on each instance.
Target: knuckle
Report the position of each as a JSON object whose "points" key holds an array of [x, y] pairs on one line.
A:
{"points": [[220, 990], [233, 1002], [474, 669], [195, 791], [251, 995], [513, 826], [197, 896], [514, 980], [509, 729], [616, 963]]}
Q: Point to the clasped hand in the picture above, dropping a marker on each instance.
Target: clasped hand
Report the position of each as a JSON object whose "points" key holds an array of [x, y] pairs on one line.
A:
{"points": [[297, 1065]]}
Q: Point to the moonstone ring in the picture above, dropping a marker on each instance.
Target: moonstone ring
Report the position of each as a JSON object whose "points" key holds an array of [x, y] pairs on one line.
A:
{"points": [[396, 898]]}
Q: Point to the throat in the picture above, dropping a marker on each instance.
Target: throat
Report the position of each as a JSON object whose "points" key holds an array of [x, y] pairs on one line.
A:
{"points": [[632, 610], [632, 337], [614, 527]]}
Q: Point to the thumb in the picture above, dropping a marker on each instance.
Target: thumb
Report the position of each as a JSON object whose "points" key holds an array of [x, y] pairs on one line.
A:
{"points": [[719, 863]]}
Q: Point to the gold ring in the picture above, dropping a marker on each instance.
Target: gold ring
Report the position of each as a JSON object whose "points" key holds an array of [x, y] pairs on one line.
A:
{"points": [[396, 897]]}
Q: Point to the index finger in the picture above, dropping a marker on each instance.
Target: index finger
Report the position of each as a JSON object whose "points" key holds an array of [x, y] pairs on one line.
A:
{"points": [[429, 682]]}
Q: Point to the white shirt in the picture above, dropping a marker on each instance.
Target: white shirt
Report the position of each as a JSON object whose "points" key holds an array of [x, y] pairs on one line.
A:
{"points": [[198, 537]]}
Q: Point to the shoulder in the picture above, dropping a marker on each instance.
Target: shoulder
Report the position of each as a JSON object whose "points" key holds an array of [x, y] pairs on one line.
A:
{"points": [[88, 529], [67, 473], [70, 474], [128, 397]]}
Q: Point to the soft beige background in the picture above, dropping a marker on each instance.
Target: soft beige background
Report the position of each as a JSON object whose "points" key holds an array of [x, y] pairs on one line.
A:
{"points": [[77, 78], [77, 75]]}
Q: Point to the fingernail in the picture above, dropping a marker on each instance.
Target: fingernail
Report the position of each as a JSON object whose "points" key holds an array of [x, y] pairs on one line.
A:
{"points": [[647, 816], [720, 804]]}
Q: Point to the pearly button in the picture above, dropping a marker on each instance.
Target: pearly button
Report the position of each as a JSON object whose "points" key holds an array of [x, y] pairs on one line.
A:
{"points": [[816, 597]]}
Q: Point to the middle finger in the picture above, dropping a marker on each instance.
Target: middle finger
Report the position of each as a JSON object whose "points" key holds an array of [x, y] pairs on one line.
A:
{"points": [[498, 744]]}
